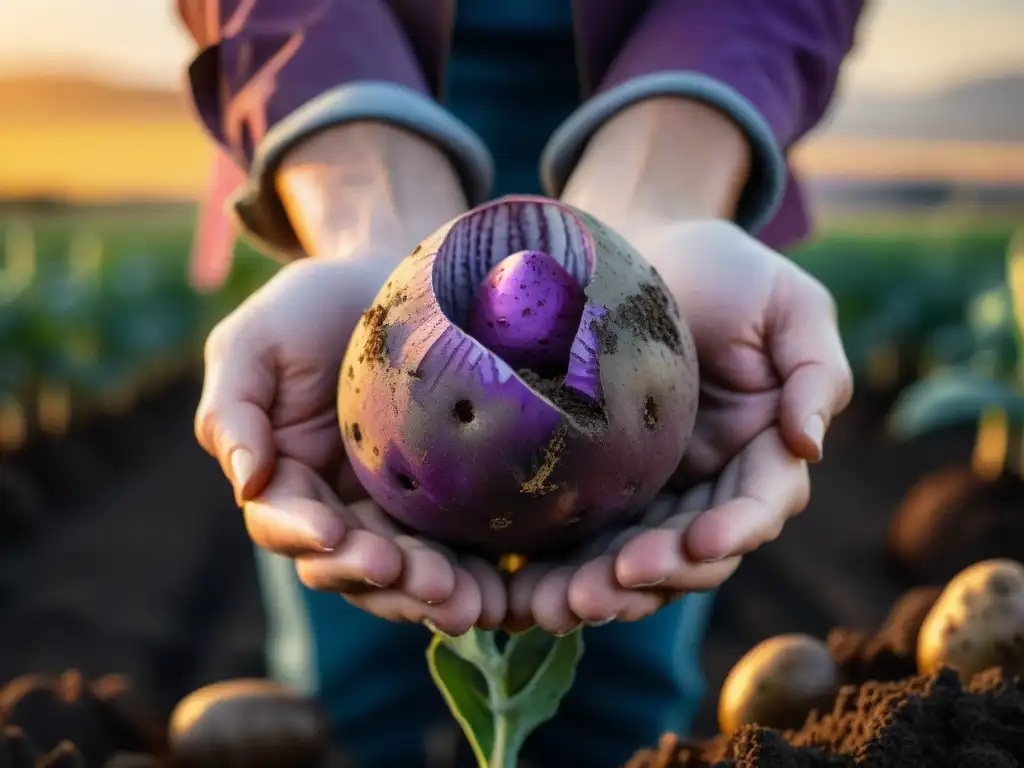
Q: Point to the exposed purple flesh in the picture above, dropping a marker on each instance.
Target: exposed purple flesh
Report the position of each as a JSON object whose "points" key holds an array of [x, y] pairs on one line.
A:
{"points": [[452, 442], [527, 312]]}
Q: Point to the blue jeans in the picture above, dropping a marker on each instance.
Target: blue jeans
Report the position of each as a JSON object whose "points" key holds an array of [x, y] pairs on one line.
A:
{"points": [[635, 682]]}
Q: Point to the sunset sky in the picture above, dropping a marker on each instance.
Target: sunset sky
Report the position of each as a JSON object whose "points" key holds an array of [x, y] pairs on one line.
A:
{"points": [[906, 47]]}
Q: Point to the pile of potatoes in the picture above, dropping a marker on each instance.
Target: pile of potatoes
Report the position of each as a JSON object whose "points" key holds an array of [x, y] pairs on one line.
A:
{"points": [[977, 623]]}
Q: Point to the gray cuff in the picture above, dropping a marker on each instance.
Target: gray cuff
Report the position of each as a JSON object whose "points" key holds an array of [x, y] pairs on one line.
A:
{"points": [[257, 205], [767, 183]]}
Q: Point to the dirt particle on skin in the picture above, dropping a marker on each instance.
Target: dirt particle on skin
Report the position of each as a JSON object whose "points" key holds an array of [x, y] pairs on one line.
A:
{"points": [[607, 339], [500, 523], [416, 373], [650, 412], [527, 312], [540, 483], [588, 415], [649, 315], [351, 372], [375, 350]]}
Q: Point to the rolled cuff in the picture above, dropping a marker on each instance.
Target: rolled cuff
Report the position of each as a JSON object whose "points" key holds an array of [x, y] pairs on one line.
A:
{"points": [[256, 203], [766, 185]]}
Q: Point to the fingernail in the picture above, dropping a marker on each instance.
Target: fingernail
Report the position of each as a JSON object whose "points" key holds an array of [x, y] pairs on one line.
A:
{"points": [[814, 428], [433, 628], [601, 622], [565, 634], [376, 584], [242, 467], [711, 560]]}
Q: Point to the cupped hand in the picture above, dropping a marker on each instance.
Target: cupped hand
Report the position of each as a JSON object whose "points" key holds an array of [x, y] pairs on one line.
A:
{"points": [[773, 376], [268, 414], [631, 571]]}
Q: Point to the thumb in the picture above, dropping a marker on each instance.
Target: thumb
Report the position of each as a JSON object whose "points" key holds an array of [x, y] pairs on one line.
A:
{"points": [[232, 421], [809, 357]]}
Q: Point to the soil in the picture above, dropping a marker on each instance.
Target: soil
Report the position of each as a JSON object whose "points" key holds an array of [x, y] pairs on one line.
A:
{"points": [[586, 413], [919, 722], [161, 519], [647, 314], [886, 716], [953, 518], [829, 568], [176, 603]]}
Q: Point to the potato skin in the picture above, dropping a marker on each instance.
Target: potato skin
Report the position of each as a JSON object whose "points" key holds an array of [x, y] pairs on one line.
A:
{"points": [[777, 683], [977, 623], [455, 444]]}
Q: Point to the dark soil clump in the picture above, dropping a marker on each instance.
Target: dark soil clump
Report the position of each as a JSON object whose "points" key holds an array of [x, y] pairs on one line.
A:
{"points": [[919, 722], [648, 315], [587, 414]]}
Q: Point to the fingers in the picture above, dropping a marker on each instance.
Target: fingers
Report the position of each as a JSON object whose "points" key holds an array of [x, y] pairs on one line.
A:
{"points": [[658, 559], [596, 597], [455, 617], [231, 421], [493, 593], [361, 560], [296, 513], [770, 486], [808, 353]]}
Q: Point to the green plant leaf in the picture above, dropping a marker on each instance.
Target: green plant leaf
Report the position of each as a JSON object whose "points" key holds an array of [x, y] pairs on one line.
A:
{"points": [[465, 690], [952, 397], [500, 696]]}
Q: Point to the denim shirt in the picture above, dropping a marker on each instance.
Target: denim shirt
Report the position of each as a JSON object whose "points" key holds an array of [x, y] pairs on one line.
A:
{"points": [[512, 78]]}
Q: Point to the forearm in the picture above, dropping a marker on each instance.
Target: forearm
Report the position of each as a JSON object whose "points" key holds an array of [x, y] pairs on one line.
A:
{"points": [[367, 188], [662, 160]]}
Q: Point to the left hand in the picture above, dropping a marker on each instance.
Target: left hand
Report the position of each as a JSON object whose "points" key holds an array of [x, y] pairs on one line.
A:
{"points": [[773, 376]]}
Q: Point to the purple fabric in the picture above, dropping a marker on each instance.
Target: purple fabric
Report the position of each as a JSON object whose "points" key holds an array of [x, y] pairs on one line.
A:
{"points": [[264, 58]]}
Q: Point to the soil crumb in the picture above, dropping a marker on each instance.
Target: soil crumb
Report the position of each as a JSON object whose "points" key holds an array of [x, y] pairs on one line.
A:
{"points": [[539, 484], [590, 416], [375, 350], [918, 722]]}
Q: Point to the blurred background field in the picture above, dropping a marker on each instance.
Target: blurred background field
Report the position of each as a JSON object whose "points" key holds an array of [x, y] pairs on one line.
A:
{"points": [[916, 181]]}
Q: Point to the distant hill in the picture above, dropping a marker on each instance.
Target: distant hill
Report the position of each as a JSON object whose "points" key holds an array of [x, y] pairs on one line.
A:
{"points": [[78, 139], [983, 110]]}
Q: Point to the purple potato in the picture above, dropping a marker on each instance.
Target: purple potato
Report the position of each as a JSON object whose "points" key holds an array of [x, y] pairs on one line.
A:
{"points": [[528, 311], [499, 454]]}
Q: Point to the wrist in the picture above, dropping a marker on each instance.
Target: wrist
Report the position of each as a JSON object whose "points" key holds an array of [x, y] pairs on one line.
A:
{"points": [[367, 189], [662, 161]]}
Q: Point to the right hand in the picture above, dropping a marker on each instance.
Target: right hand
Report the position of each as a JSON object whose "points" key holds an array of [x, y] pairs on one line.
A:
{"points": [[268, 414]]}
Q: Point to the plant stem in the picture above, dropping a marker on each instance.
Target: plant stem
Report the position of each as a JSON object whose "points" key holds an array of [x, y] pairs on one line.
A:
{"points": [[500, 758]]}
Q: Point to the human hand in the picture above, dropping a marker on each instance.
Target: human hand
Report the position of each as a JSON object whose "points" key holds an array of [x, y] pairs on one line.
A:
{"points": [[629, 572], [773, 375], [269, 415]]}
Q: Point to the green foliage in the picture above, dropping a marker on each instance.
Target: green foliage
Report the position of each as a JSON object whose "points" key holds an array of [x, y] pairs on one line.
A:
{"points": [[953, 398], [499, 696], [100, 309], [987, 374], [907, 288]]}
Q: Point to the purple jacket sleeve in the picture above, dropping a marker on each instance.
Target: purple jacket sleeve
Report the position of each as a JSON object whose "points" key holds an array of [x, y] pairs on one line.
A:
{"points": [[271, 72], [772, 65]]}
